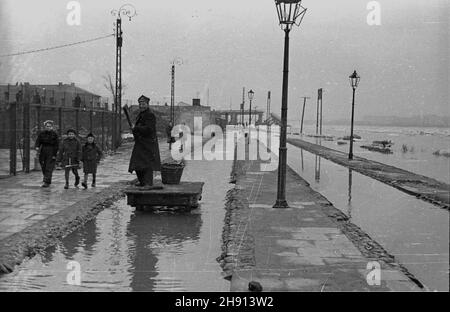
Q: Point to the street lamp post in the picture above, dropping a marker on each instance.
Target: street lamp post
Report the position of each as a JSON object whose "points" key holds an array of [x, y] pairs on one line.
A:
{"points": [[290, 12], [354, 81], [251, 94], [129, 11]]}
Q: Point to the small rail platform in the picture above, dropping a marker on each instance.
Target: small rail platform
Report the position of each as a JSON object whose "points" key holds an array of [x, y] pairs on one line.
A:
{"points": [[172, 197]]}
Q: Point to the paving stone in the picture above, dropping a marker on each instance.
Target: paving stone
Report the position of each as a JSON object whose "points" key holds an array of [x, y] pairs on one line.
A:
{"points": [[310, 236], [294, 243], [298, 283], [304, 260], [271, 284]]}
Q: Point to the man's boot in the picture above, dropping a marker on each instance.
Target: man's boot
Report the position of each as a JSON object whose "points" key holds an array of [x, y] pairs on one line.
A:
{"points": [[77, 180], [140, 176]]}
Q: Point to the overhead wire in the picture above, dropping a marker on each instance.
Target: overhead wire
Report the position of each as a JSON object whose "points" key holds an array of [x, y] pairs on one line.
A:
{"points": [[56, 47]]}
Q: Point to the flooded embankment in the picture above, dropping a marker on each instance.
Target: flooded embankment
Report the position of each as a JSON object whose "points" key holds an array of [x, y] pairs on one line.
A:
{"points": [[414, 231], [126, 250], [423, 187]]}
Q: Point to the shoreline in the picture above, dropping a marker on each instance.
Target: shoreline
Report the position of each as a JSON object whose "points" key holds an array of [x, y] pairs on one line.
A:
{"points": [[241, 249], [422, 187]]}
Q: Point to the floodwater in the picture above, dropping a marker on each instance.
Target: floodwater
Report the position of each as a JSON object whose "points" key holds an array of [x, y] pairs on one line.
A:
{"points": [[126, 250], [416, 156], [415, 232]]}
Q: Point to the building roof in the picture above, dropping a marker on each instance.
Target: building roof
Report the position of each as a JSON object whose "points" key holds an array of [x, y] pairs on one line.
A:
{"points": [[65, 87], [57, 87]]}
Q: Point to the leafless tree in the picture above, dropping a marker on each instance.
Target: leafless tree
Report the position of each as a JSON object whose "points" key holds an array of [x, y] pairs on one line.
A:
{"points": [[110, 85]]}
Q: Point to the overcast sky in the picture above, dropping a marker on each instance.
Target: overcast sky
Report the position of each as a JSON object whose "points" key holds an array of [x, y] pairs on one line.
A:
{"points": [[225, 45]]}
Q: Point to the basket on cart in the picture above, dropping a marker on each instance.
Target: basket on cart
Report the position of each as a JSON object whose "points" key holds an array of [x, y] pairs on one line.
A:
{"points": [[171, 172]]}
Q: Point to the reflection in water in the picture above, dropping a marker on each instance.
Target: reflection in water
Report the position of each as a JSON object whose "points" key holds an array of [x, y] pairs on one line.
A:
{"points": [[414, 231], [84, 238], [152, 233], [123, 250], [317, 168], [301, 153], [349, 212]]}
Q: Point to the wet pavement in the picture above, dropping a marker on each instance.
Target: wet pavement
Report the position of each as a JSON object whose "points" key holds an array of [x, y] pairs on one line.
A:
{"points": [[125, 250], [414, 231], [300, 248], [23, 202]]}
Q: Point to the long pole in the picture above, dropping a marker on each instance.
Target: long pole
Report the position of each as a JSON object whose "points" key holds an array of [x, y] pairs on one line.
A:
{"points": [[268, 105], [350, 154], [172, 96], [281, 191], [303, 113]]}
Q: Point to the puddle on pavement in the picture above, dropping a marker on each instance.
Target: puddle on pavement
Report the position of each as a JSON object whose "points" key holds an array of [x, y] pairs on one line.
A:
{"points": [[414, 231], [126, 250]]}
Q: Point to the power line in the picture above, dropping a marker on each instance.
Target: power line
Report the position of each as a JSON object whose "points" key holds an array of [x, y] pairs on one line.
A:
{"points": [[57, 47]]}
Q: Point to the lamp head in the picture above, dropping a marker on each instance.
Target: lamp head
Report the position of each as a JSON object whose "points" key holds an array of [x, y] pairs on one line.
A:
{"points": [[251, 94], [290, 12], [354, 80]]}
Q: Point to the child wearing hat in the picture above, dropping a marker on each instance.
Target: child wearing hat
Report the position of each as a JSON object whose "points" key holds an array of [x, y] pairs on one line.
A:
{"points": [[47, 147], [91, 156], [70, 155]]}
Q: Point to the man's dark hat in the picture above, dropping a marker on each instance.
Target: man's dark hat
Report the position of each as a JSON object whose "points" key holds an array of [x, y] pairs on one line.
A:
{"points": [[143, 98], [71, 130], [90, 135]]}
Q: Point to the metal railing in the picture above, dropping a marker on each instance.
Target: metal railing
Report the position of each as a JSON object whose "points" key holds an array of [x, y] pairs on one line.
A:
{"points": [[21, 121]]}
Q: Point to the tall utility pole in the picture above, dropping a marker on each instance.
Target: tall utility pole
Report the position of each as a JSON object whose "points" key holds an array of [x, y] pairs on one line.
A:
{"points": [[268, 105], [303, 112], [130, 11], [172, 96], [118, 88], [176, 61], [243, 105]]}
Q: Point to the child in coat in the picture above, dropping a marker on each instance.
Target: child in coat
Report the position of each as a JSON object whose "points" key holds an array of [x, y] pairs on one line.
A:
{"points": [[70, 155], [91, 156]]}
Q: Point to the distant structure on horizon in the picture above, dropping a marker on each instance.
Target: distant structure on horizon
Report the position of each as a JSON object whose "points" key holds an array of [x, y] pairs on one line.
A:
{"points": [[393, 121]]}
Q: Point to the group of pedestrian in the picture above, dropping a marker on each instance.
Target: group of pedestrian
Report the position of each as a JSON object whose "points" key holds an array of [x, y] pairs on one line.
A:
{"points": [[145, 157], [68, 153]]}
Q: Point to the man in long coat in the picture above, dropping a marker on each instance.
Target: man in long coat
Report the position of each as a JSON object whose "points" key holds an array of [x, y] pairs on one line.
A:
{"points": [[145, 156]]}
